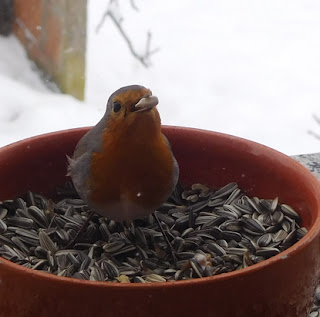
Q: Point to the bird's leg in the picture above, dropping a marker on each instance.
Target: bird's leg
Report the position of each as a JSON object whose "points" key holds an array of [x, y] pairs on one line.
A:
{"points": [[173, 253], [81, 230]]}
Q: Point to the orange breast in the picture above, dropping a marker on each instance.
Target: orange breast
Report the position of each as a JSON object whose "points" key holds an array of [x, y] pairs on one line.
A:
{"points": [[136, 164]]}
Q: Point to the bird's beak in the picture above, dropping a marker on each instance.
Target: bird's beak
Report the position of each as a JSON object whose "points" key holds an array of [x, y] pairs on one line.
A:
{"points": [[146, 103]]}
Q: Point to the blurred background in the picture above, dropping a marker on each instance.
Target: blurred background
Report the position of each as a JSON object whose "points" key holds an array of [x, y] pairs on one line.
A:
{"points": [[246, 68]]}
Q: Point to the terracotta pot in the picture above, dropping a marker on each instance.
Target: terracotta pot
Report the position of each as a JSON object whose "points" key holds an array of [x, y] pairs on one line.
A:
{"points": [[283, 285]]}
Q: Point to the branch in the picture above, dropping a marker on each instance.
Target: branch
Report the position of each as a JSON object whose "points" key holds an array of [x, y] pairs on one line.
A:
{"points": [[316, 118], [110, 12], [133, 5], [317, 136]]}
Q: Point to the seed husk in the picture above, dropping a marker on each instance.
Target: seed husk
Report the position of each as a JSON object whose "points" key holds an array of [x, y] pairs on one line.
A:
{"points": [[301, 232], [267, 252], [38, 216], [21, 222], [254, 225], [289, 211], [46, 242], [264, 240], [225, 190], [154, 278], [280, 235], [216, 248], [3, 226]]}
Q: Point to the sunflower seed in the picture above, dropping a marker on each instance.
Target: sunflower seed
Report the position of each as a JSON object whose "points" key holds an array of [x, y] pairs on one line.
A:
{"points": [[11, 251], [125, 249], [186, 232], [196, 268], [200, 187], [5, 241], [139, 279], [231, 235], [46, 242], [204, 219], [21, 245], [166, 219], [30, 241], [252, 203], [39, 264], [280, 236], [216, 248], [290, 238], [224, 191], [274, 204], [254, 225], [264, 240], [231, 225], [129, 271], [220, 211], [233, 196], [186, 193], [216, 221], [244, 209], [82, 275], [289, 211], [267, 252], [301, 232], [277, 217], [182, 220], [222, 243], [111, 269], [20, 203], [38, 216], [27, 233], [3, 226], [232, 210], [96, 274], [216, 202], [154, 278], [236, 251], [113, 246], [63, 236], [40, 252], [21, 222], [3, 213], [196, 207]]}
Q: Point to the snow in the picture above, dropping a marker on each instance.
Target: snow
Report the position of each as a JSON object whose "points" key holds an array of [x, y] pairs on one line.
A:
{"points": [[27, 106], [247, 68]]}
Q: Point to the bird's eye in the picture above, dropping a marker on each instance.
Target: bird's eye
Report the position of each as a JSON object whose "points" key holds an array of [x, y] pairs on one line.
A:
{"points": [[116, 106]]}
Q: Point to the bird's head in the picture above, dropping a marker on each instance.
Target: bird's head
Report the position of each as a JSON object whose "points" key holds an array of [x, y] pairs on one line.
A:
{"points": [[132, 104]]}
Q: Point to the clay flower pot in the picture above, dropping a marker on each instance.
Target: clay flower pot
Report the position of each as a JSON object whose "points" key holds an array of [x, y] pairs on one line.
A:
{"points": [[281, 286]]}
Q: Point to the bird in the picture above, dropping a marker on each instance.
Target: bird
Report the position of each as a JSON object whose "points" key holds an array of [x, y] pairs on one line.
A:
{"points": [[123, 168]]}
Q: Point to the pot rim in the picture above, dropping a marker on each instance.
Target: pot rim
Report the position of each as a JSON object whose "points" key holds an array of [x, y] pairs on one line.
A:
{"points": [[307, 239]]}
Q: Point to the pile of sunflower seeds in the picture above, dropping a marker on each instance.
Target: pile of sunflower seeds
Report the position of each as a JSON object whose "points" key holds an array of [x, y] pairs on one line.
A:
{"points": [[211, 232]]}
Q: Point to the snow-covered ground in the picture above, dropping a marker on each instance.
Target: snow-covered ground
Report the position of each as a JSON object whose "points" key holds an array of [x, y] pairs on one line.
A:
{"points": [[27, 106], [247, 68]]}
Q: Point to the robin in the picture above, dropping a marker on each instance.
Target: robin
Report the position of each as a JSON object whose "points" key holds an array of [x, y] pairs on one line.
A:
{"points": [[123, 168]]}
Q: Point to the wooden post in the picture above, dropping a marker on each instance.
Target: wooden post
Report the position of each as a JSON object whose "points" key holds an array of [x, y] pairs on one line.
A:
{"points": [[54, 35]]}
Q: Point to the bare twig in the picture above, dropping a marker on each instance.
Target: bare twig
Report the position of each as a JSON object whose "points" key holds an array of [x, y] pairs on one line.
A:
{"points": [[316, 118], [117, 20], [103, 18], [316, 135], [133, 5], [141, 58]]}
